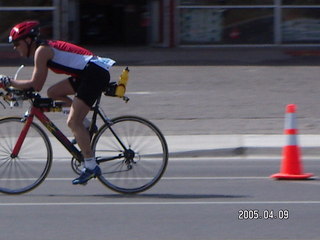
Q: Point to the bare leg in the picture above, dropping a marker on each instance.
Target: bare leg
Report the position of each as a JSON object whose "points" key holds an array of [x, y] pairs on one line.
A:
{"points": [[60, 91], [78, 112]]}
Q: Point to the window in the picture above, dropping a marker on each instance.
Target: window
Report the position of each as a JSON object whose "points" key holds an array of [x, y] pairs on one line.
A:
{"points": [[22, 3], [301, 25], [300, 2], [226, 2], [249, 22], [227, 25], [13, 12]]}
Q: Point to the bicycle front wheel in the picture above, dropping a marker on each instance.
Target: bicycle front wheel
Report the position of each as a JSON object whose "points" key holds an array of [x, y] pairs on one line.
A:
{"points": [[22, 173], [132, 154]]}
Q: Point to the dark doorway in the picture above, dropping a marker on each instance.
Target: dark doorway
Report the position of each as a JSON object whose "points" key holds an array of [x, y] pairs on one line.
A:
{"points": [[115, 22]]}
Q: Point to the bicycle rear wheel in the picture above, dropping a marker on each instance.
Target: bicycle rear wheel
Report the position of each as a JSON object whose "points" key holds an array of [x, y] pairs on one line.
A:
{"points": [[22, 173], [138, 151]]}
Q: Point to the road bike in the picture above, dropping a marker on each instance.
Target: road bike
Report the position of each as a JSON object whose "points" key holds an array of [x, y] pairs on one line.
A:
{"points": [[131, 151]]}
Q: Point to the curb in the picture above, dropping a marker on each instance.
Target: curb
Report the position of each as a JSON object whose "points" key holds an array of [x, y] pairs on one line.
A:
{"points": [[243, 152], [237, 145]]}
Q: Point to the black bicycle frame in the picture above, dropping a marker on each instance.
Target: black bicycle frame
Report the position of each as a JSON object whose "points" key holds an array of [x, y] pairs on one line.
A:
{"points": [[108, 122], [75, 152]]}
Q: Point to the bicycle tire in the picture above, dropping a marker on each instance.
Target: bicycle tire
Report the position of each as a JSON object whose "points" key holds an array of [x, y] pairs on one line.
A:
{"points": [[26, 171], [147, 147]]}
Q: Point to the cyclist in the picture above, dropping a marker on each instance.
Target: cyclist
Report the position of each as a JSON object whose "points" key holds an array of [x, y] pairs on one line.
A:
{"points": [[89, 75]]}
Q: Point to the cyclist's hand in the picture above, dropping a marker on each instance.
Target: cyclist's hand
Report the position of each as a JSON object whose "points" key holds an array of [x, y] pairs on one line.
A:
{"points": [[4, 81]]}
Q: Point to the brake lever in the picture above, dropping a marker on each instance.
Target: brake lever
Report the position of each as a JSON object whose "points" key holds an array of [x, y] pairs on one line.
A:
{"points": [[4, 96]]}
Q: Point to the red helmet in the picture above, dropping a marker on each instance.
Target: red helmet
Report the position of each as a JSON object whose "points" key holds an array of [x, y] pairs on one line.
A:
{"points": [[23, 30]]}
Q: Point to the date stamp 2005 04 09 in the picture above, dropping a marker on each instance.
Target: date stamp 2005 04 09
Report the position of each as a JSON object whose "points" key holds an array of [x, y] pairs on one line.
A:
{"points": [[255, 214]]}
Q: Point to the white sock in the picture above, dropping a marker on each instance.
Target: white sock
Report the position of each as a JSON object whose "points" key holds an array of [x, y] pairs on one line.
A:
{"points": [[90, 163]]}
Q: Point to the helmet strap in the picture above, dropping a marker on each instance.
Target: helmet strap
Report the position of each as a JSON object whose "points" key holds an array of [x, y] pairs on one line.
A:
{"points": [[29, 45]]}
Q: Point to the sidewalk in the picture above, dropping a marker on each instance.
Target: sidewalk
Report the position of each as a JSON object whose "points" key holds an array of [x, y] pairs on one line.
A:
{"points": [[191, 56], [213, 146], [238, 145]]}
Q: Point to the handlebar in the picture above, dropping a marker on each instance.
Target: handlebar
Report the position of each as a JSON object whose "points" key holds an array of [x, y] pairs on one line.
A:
{"points": [[26, 94], [14, 97]]}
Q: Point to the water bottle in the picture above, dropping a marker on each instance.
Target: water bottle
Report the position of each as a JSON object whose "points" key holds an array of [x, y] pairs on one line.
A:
{"points": [[121, 88]]}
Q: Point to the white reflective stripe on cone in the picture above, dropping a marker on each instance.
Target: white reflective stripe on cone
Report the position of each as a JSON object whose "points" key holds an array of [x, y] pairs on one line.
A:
{"points": [[290, 121], [292, 140]]}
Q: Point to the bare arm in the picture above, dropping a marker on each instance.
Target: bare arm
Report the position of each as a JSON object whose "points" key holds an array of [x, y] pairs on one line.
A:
{"points": [[40, 71]]}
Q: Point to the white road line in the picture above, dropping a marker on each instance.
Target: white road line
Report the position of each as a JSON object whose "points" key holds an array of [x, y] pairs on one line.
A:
{"points": [[155, 203], [142, 93], [181, 178], [198, 179], [212, 178]]}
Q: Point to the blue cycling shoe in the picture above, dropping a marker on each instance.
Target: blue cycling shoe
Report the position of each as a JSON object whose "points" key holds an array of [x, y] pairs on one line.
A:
{"points": [[86, 175]]}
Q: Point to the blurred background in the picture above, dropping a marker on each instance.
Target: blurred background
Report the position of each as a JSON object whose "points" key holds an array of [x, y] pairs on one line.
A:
{"points": [[170, 23]]}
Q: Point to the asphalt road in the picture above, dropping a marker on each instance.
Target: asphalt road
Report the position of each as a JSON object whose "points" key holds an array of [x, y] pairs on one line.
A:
{"points": [[197, 198]]}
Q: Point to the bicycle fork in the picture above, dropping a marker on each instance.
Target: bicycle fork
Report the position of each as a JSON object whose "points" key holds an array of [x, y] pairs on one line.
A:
{"points": [[28, 119]]}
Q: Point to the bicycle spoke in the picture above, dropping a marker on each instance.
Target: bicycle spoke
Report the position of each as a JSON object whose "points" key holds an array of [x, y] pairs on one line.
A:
{"points": [[135, 172], [27, 170]]}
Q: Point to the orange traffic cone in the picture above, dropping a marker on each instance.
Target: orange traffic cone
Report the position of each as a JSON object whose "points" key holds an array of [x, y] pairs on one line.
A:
{"points": [[291, 166]]}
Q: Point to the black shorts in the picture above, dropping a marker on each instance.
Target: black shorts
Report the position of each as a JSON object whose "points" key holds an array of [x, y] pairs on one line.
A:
{"points": [[90, 84]]}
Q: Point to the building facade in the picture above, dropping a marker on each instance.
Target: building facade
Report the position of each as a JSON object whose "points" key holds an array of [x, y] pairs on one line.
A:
{"points": [[249, 22], [170, 23]]}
